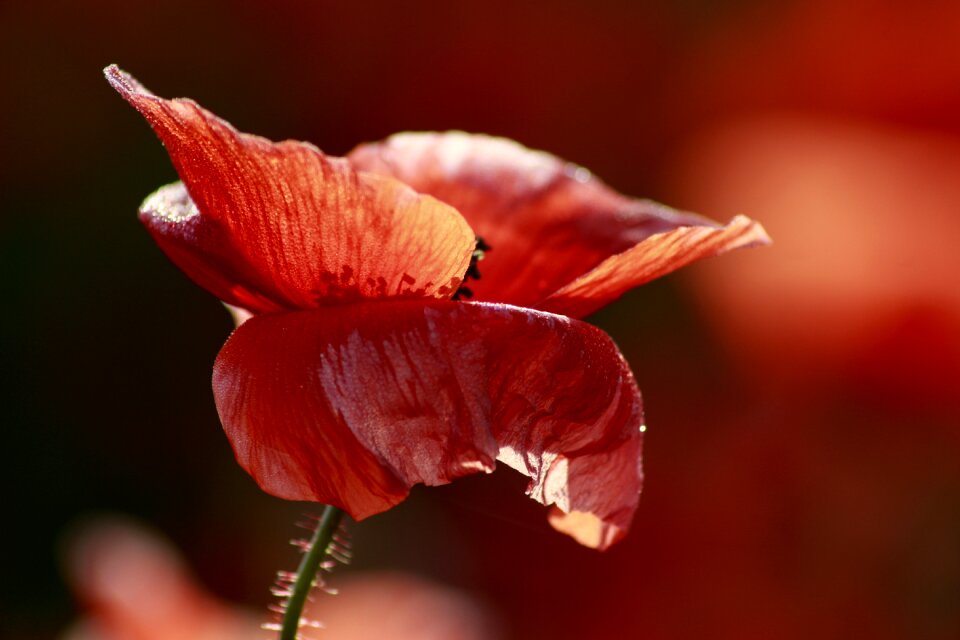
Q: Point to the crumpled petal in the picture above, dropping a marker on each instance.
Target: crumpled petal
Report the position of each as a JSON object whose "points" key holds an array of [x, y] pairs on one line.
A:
{"points": [[291, 227], [549, 222], [352, 405]]}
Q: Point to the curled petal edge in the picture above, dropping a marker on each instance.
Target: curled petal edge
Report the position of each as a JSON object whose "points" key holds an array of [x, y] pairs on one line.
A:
{"points": [[652, 258]]}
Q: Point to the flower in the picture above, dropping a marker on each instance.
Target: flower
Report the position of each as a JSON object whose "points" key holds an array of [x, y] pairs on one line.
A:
{"points": [[358, 375]]}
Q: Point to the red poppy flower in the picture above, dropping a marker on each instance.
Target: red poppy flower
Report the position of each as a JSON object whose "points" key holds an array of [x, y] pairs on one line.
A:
{"points": [[358, 375]]}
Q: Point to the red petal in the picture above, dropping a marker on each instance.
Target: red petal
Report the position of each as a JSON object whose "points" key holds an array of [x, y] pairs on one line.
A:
{"points": [[178, 227], [656, 256], [285, 226], [549, 222], [352, 405]]}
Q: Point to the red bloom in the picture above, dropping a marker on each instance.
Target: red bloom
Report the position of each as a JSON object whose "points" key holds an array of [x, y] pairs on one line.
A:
{"points": [[359, 377]]}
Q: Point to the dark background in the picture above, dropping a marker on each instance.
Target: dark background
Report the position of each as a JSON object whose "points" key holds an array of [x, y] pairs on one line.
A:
{"points": [[803, 400]]}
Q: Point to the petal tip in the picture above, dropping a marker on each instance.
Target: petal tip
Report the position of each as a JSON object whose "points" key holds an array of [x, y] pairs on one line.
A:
{"points": [[586, 528], [138, 96], [124, 84], [112, 73], [755, 235]]}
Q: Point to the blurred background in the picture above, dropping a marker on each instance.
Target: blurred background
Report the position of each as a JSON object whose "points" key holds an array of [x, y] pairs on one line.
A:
{"points": [[803, 400]]}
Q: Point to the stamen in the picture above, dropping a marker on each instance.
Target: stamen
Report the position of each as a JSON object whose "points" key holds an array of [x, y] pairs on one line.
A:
{"points": [[473, 271]]}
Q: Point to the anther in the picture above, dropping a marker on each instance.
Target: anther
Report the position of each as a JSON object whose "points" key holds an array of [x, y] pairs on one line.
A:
{"points": [[473, 271]]}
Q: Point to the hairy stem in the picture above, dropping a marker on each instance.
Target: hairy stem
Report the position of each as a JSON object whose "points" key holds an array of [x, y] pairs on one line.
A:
{"points": [[307, 571]]}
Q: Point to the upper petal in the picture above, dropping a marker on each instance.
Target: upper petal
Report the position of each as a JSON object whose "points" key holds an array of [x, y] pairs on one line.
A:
{"points": [[352, 405], [549, 222], [288, 225]]}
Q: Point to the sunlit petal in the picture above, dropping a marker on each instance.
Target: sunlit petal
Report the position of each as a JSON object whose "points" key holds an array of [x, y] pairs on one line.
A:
{"points": [[289, 225]]}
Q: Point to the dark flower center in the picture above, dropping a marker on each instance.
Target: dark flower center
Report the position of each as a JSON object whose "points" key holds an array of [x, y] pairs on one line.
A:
{"points": [[473, 271]]}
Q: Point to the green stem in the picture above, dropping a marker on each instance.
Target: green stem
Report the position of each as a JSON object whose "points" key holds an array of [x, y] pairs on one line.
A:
{"points": [[307, 571]]}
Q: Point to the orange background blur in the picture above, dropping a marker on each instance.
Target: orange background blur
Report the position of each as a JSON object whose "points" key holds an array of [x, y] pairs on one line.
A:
{"points": [[803, 400]]}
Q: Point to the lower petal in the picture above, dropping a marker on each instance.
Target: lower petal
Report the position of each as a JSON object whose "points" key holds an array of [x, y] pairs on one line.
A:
{"points": [[353, 405]]}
